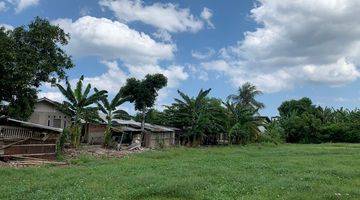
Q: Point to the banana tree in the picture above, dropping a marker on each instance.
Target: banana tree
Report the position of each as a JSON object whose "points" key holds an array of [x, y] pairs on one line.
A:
{"points": [[79, 106], [111, 112], [192, 111]]}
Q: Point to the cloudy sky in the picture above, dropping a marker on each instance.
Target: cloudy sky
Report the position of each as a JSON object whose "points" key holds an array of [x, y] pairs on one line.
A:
{"points": [[288, 48]]}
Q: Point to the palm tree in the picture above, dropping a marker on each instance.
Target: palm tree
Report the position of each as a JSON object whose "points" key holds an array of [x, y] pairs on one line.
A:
{"points": [[244, 122], [78, 106], [109, 109], [246, 96]]}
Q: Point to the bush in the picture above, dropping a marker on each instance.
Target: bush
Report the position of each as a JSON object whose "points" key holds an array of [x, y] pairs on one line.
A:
{"points": [[341, 132], [274, 134], [304, 128], [304, 122], [64, 137], [240, 134]]}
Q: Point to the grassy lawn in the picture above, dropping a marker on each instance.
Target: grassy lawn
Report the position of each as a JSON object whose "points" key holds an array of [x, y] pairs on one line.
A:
{"points": [[326, 171]]}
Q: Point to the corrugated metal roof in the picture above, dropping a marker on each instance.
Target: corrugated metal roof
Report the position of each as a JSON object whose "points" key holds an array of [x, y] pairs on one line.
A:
{"points": [[32, 125], [149, 127], [125, 129]]}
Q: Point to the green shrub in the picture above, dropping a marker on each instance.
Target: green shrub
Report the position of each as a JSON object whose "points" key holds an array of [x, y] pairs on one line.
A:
{"points": [[341, 132], [304, 128], [274, 134], [64, 137], [241, 134]]}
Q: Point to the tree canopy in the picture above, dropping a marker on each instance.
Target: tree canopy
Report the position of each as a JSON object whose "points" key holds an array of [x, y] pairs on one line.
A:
{"points": [[30, 56], [143, 93], [246, 96]]}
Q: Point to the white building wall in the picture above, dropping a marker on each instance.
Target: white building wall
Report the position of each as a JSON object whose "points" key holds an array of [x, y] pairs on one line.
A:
{"points": [[46, 114]]}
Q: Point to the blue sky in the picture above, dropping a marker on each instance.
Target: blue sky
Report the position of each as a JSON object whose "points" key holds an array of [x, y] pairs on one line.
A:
{"points": [[288, 49]]}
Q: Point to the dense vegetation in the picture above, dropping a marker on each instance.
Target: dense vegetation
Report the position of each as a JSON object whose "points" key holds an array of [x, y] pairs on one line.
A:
{"points": [[302, 122], [295, 171], [206, 120]]}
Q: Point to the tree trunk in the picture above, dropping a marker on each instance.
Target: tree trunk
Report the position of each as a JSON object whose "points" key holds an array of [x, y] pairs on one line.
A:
{"points": [[143, 124]]}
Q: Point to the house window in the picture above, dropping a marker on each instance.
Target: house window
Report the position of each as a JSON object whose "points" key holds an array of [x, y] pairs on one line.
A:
{"points": [[57, 123], [49, 122], [64, 123]]}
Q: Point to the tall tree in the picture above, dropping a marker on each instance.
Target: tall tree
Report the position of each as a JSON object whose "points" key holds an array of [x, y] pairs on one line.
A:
{"points": [[111, 112], [143, 93], [296, 106], [243, 122], [79, 106], [246, 96], [30, 56]]}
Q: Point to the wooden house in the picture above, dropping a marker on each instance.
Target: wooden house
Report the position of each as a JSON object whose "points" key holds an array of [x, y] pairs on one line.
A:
{"points": [[26, 139], [126, 130]]}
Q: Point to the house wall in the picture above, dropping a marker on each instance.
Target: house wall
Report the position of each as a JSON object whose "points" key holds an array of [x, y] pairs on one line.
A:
{"points": [[94, 133], [46, 114], [153, 140]]}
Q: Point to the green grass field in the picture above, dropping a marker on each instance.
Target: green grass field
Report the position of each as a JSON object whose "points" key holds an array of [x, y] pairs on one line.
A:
{"points": [[326, 171]]}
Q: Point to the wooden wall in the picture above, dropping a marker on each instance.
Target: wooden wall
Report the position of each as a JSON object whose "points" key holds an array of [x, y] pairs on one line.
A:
{"points": [[17, 141]]}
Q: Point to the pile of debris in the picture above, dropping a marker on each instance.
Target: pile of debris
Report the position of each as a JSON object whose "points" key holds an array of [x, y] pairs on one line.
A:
{"points": [[18, 162], [69, 153], [98, 151]]}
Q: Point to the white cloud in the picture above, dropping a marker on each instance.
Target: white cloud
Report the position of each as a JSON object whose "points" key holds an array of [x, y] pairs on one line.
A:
{"points": [[217, 65], [203, 54], [167, 16], [2, 6], [114, 77], [174, 73], [54, 95], [198, 72], [21, 5], [7, 26], [163, 35], [111, 80], [297, 42], [207, 14], [113, 40], [337, 73]]}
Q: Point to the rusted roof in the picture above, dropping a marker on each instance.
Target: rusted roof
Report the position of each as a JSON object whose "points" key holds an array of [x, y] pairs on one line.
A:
{"points": [[125, 129], [137, 125], [31, 125]]}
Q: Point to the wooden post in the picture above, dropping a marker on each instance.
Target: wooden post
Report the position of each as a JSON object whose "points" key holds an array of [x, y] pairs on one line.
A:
{"points": [[1, 141]]}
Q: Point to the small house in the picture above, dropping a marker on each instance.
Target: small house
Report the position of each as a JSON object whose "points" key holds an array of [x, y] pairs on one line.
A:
{"points": [[46, 113], [125, 130], [26, 139]]}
